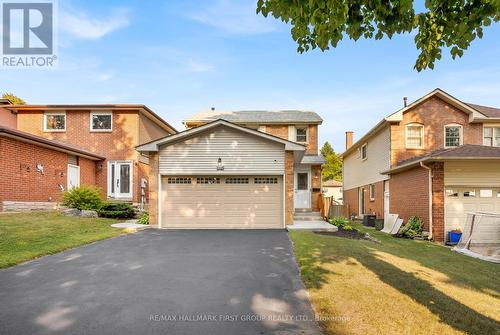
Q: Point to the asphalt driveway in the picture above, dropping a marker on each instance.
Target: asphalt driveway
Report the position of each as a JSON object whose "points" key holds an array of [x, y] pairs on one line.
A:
{"points": [[161, 282]]}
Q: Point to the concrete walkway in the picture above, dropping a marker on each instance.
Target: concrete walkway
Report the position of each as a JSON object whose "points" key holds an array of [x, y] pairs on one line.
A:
{"points": [[312, 225]]}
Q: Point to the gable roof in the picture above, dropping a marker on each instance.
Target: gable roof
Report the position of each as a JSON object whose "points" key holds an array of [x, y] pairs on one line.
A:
{"points": [[51, 144], [278, 117], [103, 107], [475, 112], [154, 145], [463, 152]]}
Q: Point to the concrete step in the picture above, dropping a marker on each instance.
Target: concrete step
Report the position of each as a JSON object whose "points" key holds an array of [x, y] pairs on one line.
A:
{"points": [[308, 213], [307, 218]]}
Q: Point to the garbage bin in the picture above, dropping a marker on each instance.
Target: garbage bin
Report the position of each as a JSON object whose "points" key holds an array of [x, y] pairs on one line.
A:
{"points": [[369, 220]]}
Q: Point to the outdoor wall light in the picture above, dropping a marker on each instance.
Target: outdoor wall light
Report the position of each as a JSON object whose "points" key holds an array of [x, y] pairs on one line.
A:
{"points": [[220, 166]]}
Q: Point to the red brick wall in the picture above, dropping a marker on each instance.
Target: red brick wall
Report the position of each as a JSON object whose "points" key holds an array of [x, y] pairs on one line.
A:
{"points": [[7, 118], [438, 201], [376, 206], [409, 195], [19, 179], [351, 201], [434, 114], [315, 184]]}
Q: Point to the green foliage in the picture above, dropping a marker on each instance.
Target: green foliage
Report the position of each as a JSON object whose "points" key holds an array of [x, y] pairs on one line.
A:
{"points": [[117, 210], [413, 228], [83, 197], [347, 227], [339, 221], [442, 24], [332, 169], [144, 219], [13, 98]]}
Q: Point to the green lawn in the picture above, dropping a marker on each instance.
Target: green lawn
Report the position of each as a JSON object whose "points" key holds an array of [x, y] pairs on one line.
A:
{"points": [[24, 236], [397, 286]]}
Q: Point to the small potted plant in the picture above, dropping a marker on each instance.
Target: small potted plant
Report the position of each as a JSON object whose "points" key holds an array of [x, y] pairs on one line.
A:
{"points": [[454, 235]]}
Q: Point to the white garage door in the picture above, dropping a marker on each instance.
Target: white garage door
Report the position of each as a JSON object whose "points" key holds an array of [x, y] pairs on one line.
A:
{"points": [[462, 200], [222, 202]]}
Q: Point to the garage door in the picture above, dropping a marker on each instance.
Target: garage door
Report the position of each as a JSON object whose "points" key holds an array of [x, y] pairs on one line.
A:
{"points": [[462, 200], [222, 202]]}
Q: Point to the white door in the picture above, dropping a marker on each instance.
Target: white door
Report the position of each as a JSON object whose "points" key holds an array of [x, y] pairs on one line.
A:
{"points": [[302, 196], [73, 176], [231, 202], [462, 200], [120, 179]]}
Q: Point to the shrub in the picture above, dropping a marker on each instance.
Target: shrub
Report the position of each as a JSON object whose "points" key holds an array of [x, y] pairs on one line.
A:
{"points": [[413, 228], [339, 221], [144, 219], [117, 210], [347, 227], [83, 197]]}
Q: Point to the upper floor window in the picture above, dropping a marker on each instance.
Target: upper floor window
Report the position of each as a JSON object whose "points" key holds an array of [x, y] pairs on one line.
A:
{"points": [[101, 121], [301, 135], [452, 135], [491, 136], [364, 151], [414, 136], [54, 121]]}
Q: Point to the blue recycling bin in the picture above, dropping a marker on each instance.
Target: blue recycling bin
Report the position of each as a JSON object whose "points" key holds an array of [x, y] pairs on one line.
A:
{"points": [[454, 237]]}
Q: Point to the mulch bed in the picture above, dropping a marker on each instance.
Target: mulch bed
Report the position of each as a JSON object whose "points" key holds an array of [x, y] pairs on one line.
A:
{"points": [[352, 234]]}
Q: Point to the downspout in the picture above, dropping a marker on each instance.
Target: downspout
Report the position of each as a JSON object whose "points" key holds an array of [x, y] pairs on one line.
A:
{"points": [[430, 198]]}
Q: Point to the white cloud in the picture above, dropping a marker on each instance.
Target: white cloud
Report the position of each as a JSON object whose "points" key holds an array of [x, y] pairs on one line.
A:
{"points": [[85, 26], [235, 17], [193, 66], [104, 76]]}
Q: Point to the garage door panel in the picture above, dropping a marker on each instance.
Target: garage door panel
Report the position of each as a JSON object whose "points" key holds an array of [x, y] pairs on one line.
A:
{"points": [[457, 207], [238, 203]]}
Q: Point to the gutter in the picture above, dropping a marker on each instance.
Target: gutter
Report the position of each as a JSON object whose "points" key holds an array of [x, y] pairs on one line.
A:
{"points": [[430, 199]]}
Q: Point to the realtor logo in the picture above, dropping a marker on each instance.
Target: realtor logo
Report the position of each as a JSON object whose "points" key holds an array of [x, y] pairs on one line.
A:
{"points": [[28, 34]]}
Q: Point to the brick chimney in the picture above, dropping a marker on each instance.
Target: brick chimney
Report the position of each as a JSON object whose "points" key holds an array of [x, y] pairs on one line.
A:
{"points": [[348, 139]]}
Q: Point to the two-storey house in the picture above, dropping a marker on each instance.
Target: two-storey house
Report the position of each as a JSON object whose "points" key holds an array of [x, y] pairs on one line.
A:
{"points": [[239, 169], [106, 136], [437, 158]]}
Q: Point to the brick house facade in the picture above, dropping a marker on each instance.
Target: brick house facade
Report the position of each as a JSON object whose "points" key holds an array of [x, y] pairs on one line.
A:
{"points": [[423, 153], [129, 126], [37, 170]]}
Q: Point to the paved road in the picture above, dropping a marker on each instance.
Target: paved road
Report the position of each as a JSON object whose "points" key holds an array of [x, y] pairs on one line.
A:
{"points": [[161, 282]]}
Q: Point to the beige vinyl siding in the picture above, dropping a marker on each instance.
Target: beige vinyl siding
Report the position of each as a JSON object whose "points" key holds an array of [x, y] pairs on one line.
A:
{"points": [[359, 172], [473, 173], [221, 205], [241, 153]]}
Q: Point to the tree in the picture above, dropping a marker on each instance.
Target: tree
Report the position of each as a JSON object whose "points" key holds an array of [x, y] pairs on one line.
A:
{"points": [[332, 169], [443, 24], [14, 99]]}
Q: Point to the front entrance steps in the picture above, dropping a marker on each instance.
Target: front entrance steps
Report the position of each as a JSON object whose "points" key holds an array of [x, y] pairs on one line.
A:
{"points": [[309, 220], [307, 216]]}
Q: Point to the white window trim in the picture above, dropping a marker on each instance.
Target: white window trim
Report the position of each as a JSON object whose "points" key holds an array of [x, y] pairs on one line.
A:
{"points": [[422, 135], [100, 130], [307, 134], [452, 125], [361, 152], [493, 126], [54, 130]]}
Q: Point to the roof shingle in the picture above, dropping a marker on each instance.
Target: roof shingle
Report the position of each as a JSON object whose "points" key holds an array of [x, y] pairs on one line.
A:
{"points": [[283, 116]]}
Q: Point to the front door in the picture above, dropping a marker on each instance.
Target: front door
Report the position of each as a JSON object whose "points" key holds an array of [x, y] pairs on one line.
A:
{"points": [[302, 190], [361, 201], [73, 176], [120, 179]]}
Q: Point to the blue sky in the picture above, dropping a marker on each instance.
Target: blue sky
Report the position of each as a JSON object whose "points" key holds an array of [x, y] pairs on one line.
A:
{"points": [[182, 57]]}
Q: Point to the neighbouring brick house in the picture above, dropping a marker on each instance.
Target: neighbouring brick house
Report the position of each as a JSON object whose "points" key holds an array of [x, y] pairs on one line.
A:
{"points": [[110, 132], [238, 169], [437, 158], [35, 170]]}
